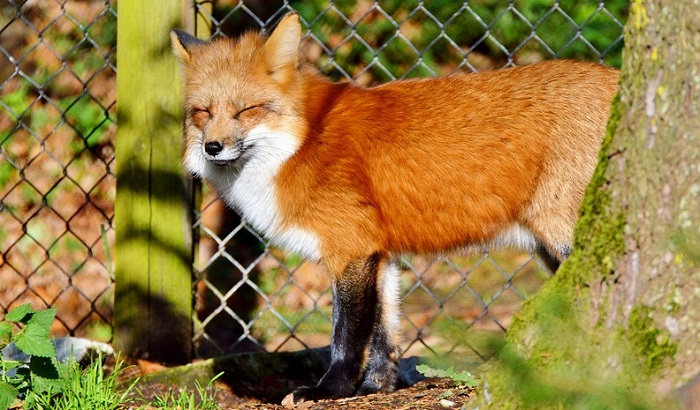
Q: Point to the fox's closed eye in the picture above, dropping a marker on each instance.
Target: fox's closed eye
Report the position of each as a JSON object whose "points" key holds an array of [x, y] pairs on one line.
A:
{"points": [[200, 115], [200, 111], [252, 108]]}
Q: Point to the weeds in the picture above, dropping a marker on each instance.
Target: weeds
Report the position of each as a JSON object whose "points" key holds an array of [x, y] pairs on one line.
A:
{"points": [[203, 399], [79, 388], [16, 378], [44, 383]]}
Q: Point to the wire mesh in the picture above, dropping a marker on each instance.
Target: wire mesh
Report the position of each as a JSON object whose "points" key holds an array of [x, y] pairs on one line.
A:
{"points": [[251, 296], [57, 126]]}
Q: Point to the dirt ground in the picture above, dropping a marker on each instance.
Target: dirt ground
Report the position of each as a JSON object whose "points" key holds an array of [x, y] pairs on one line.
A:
{"points": [[426, 394], [261, 381]]}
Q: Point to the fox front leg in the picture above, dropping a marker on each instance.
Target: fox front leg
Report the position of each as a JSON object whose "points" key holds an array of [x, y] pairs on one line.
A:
{"points": [[355, 310]]}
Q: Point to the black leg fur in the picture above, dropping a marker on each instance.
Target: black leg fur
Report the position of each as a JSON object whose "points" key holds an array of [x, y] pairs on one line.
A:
{"points": [[552, 262], [354, 315], [381, 373], [382, 370]]}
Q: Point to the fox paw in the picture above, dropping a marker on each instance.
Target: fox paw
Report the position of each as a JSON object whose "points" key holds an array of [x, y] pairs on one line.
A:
{"points": [[311, 394]]}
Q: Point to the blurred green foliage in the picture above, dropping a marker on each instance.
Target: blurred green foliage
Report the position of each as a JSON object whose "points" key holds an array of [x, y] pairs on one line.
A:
{"points": [[461, 378], [555, 359], [414, 38], [58, 71]]}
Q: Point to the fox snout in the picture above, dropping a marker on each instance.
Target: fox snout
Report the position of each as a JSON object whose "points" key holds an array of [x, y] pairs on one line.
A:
{"points": [[213, 148], [222, 153]]}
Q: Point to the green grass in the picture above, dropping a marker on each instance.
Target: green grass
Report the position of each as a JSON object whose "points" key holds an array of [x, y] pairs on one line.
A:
{"points": [[203, 398], [78, 388], [44, 383]]}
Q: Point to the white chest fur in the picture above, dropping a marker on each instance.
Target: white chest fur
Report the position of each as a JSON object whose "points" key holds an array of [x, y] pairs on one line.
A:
{"points": [[250, 189]]}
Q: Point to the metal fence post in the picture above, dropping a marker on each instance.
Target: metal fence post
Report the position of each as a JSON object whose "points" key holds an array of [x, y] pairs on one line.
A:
{"points": [[153, 249]]}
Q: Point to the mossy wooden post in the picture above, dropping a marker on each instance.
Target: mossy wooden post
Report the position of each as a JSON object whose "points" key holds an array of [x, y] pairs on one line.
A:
{"points": [[153, 250]]}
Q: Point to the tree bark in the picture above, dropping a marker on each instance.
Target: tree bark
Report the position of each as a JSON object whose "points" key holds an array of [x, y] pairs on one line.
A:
{"points": [[619, 324], [654, 180]]}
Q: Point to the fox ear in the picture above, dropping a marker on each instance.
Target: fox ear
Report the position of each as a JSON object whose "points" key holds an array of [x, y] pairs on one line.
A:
{"points": [[182, 43], [282, 47]]}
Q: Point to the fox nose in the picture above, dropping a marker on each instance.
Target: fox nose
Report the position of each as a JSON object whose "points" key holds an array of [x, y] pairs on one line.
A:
{"points": [[213, 148]]}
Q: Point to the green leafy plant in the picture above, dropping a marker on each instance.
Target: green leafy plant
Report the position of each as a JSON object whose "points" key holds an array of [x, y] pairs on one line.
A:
{"points": [[42, 382], [79, 388], [204, 398], [461, 378], [16, 379]]}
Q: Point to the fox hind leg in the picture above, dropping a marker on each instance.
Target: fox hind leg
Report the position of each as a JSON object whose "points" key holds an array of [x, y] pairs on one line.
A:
{"points": [[381, 372], [552, 260]]}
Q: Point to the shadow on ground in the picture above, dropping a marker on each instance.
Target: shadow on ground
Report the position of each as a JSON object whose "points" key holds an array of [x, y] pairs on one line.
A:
{"points": [[267, 377]]}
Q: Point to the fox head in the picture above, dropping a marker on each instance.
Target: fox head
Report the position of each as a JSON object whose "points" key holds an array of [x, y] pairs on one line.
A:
{"points": [[241, 97]]}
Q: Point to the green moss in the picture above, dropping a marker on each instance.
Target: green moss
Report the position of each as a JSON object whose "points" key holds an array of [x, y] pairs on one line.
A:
{"points": [[638, 15], [555, 355], [683, 244], [554, 360], [550, 309], [599, 239], [599, 233], [652, 346]]}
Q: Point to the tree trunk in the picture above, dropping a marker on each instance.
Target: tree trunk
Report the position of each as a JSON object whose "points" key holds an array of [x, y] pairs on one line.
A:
{"points": [[619, 324], [654, 180]]}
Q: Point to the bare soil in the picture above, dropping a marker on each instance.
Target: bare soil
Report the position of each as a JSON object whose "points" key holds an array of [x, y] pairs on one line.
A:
{"points": [[257, 382], [426, 394]]}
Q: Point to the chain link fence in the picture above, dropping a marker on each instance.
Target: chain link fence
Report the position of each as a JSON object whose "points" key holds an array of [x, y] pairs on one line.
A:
{"points": [[455, 304], [57, 126], [57, 73]]}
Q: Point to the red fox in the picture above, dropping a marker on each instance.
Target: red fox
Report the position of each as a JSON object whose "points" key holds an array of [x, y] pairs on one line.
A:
{"points": [[355, 177]]}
